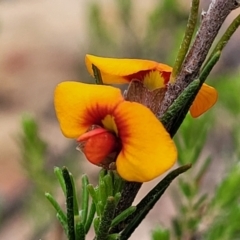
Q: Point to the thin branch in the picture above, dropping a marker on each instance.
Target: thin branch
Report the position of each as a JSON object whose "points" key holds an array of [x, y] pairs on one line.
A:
{"points": [[192, 21], [212, 20]]}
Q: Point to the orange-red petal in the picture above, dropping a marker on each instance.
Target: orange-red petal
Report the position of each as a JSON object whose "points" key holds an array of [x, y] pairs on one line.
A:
{"points": [[79, 106], [147, 149], [97, 145], [205, 99], [117, 71]]}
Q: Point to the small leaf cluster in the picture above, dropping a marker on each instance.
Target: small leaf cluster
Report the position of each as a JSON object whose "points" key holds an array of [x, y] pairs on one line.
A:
{"points": [[97, 208], [99, 204]]}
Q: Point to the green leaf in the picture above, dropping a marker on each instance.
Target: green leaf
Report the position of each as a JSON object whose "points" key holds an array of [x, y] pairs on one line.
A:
{"points": [[200, 201], [189, 147], [97, 75], [118, 183], [58, 173], [96, 223], [174, 116], [177, 228], [80, 232], [106, 219], [227, 192], [85, 198], [117, 197], [109, 184], [70, 203], [149, 201], [160, 234], [186, 188], [75, 201], [203, 169], [57, 208], [93, 193], [63, 222], [102, 192], [114, 236], [123, 215], [90, 217], [209, 66], [100, 208]]}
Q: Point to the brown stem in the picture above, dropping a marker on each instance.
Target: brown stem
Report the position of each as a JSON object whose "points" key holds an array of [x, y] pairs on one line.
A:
{"points": [[212, 20]]}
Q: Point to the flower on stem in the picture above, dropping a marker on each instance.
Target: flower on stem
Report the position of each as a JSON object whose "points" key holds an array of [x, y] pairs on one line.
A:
{"points": [[154, 75], [107, 125]]}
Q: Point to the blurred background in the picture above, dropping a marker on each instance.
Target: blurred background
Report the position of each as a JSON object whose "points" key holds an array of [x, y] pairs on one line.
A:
{"points": [[43, 43]]}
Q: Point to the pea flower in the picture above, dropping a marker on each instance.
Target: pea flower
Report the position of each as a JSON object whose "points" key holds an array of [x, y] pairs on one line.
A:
{"points": [[154, 75], [112, 131]]}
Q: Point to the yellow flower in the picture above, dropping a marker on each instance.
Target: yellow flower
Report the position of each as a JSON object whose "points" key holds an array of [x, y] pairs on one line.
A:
{"points": [[104, 123], [153, 74]]}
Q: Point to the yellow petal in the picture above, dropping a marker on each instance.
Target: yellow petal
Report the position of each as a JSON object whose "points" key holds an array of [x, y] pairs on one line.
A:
{"points": [[154, 80], [205, 99], [79, 105], [147, 149], [117, 71]]}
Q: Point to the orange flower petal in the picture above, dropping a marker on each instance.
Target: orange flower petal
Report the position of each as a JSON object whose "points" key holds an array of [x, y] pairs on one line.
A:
{"points": [[147, 149], [79, 105], [117, 71], [205, 99]]}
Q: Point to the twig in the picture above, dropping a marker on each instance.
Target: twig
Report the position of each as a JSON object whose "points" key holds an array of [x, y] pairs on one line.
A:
{"points": [[192, 21], [212, 20]]}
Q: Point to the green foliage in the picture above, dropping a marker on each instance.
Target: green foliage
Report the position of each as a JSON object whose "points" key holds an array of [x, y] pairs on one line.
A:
{"points": [[214, 216], [34, 154], [104, 200], [225, 208], [191, 202], [160, 234], [126, 41], [34, 160], [228, 86], [189, 145], [98, 29], [33, 147]]}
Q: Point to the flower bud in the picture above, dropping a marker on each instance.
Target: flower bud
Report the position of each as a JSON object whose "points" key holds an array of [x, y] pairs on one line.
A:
{"points": [[99, 146]]}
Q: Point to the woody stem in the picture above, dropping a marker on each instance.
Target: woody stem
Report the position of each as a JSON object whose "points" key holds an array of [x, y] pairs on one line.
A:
{"points": [[212, 20]]}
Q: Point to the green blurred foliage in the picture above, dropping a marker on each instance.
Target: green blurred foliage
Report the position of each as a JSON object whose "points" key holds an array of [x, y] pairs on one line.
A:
{"points": [[34, 152], [34, 161], [160, 233], [202, 212], [156, 39]]}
